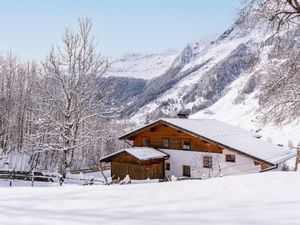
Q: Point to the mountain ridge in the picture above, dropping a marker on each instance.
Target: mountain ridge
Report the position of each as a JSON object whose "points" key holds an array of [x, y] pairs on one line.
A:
{"points": [[208, 77]]}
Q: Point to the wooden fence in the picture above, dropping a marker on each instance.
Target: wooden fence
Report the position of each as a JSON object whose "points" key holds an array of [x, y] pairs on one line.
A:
{"points": [[18, 175], [105, 166]]}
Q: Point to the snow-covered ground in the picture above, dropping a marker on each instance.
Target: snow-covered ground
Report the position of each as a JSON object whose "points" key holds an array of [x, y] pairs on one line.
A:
{"points": [[22, 183], [72, 179], [266, 198]]}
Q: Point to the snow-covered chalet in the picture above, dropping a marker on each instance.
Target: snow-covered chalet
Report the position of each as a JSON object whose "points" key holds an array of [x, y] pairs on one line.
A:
{"points": [[197, 148]]}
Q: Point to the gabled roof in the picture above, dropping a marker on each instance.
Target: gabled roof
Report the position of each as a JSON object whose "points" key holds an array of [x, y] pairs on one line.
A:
{"points": [[227, 136], [140, 153]]}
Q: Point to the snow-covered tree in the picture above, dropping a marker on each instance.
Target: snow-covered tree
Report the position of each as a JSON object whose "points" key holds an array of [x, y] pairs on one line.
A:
{"points": [[275, 15], [16, 86], [280, 20], [280, 99], [70, 96]]}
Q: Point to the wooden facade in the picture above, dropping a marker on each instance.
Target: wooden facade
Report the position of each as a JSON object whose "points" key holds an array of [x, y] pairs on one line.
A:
{"points": [[157, 134], [124, 164], [162, 135]]}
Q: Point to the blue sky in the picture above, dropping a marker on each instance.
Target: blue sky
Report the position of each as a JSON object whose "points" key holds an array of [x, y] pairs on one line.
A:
{"points": [[30, 27]]}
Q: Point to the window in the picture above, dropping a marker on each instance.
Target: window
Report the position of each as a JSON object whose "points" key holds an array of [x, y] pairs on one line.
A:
{"points": [[168, 166], [166, 142], [207, 162], [146, 142], [186, 145], [230, 158], [186, 171]]}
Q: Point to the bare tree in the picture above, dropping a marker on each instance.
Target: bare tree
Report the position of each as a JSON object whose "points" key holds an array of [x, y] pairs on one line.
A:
{"points": [[70, 98], [280, 20], [280, 99], [16, 85], [277, 15]]}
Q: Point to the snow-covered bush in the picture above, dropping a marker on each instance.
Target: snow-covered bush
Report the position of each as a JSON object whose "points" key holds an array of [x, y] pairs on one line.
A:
{"points": [[126, 180], [173, 178]]}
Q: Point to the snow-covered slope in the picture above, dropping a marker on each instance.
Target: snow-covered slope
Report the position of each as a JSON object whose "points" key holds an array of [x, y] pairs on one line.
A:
{"points": [[243, 111], [265, 199], [200, 74], [143, 66], [219, 78]]}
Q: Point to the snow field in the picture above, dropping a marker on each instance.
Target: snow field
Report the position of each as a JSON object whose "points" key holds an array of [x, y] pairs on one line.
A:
{"points": [[265, 199]]}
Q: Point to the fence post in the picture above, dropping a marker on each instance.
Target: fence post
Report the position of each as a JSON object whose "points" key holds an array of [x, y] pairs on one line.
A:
{"points": [[32, 177], [11, 177], [101, 171], [61, 180]]}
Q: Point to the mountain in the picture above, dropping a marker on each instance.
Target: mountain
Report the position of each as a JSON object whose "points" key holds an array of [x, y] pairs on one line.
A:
{"points": [[142, 66], [200, 74], [219, 78]]}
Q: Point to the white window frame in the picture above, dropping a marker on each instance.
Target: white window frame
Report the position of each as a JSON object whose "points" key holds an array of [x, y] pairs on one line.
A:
{"points": [[184, 147], [163, 142]]}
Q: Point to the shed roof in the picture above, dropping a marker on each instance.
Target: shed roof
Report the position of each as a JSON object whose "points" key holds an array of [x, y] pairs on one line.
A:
{"points": [[228, 136], [140, 153]]}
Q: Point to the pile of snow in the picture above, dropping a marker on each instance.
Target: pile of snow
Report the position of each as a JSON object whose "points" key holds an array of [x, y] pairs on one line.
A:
{"points": [[266, 198], [126, 180], [173, 178]]}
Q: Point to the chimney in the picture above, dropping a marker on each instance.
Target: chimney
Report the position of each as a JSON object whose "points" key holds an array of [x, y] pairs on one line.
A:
{"points": [[184, 114]]}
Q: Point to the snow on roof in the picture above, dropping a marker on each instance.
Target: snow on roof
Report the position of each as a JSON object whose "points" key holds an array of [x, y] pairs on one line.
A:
{"points": [[232, 137], [141, 153]]}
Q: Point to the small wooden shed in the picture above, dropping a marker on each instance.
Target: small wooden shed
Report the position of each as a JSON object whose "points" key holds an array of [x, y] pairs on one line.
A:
{"points": [[139, 162]]}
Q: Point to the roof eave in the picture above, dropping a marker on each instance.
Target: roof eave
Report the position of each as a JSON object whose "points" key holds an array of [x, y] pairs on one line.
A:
{"points": [[109, 157], [125, 136]]}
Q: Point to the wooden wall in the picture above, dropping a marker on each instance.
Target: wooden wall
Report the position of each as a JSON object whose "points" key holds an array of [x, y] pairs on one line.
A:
{"points": [[156, 134], [124, 164]]}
